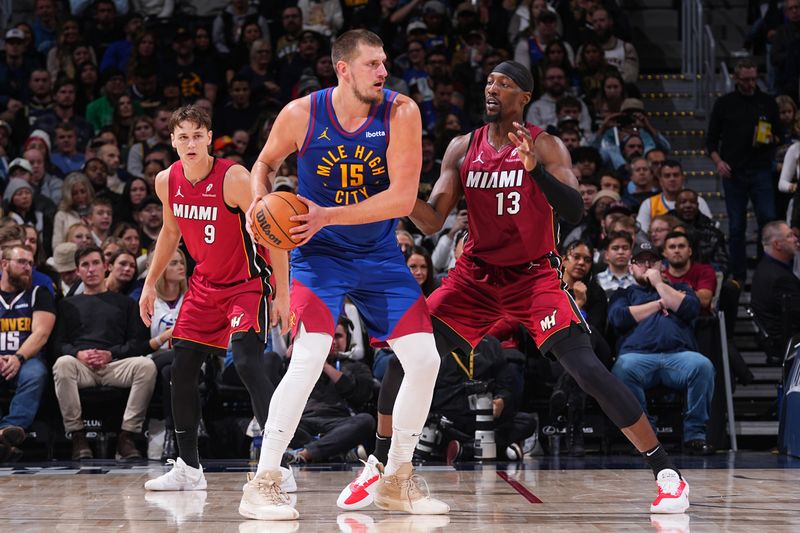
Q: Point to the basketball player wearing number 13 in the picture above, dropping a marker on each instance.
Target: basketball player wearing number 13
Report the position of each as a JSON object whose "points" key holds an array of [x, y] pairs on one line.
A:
{"points": [[515, 177], [205, 199]]}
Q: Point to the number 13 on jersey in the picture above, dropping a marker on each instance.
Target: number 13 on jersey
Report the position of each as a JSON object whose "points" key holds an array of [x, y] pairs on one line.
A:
{"points": [[507, 203]]}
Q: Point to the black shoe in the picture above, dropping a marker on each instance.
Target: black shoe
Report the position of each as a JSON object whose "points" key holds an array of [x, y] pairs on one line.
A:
{"points": [[12, 435], [170, 450], [9, 454], [576, 448], [698, 447]]}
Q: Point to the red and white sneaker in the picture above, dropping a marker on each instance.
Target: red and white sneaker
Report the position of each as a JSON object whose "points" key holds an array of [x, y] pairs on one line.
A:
{"points": [[361, 491], [673, 493]]}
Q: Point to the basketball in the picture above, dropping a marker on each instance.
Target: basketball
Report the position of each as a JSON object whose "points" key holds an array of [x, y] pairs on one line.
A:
{"points": [[271, 219]]}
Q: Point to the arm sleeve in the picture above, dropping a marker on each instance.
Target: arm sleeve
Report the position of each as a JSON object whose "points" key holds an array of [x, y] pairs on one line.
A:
{"points": [[564, 199]]}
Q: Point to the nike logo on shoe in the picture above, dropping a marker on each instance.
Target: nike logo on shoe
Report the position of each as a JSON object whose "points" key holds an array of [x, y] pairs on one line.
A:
{"points": [[359, 491]]}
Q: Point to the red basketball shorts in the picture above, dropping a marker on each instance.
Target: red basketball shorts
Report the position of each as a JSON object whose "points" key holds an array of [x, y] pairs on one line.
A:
{"points": [[475, 295], [210, 315]]}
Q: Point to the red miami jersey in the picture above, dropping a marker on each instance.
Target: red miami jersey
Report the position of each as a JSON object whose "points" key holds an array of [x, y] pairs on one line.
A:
{"points": [[510, 221], [215, 233]]}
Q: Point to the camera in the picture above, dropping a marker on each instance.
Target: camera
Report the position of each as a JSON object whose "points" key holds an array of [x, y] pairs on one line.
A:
{"points": [[480, 401], [430, 439], [625, 120]]}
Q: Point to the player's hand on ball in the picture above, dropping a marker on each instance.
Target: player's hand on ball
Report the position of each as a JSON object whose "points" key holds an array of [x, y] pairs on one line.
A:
{"points": [[310, 223], [279, 314], [524, 142], [146, 303], [248, 216]]}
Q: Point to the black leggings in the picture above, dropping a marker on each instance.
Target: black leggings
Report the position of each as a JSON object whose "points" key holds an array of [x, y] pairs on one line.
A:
{"points": [[574, 352], [250, 362]]}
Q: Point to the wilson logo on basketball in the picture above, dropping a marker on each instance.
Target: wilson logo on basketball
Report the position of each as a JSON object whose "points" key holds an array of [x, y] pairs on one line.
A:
{"points": [[266, 227]]}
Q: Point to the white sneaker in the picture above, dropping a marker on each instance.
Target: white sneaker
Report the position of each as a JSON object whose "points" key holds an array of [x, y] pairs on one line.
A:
{"points": [[180, 505], [288, 483], [263, 498], [360, 492], [402, 491], [181, 477], [673, 493]]}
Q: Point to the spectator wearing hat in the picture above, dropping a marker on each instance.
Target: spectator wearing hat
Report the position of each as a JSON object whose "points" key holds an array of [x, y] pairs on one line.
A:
{"points": [[618, 257], [63, 110], [307, 84], [63, 262], [671, 182], [434, 15], [543, 111], [529, 50], [619, 127], [15, 71], [655, 321], [150, 219], [18, 204], [100, 112], [591, 230]]}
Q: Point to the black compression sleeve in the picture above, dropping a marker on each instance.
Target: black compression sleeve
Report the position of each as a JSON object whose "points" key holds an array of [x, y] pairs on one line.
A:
{"points": [[564, 199]]}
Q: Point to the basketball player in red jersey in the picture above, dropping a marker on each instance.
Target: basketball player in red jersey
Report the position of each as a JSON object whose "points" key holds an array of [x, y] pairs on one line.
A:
{"points": [[205, 200], [515, 178]]}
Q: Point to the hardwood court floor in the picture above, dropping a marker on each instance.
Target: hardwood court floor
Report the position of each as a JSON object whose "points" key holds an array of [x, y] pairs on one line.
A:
{"points": [[535, 496]]}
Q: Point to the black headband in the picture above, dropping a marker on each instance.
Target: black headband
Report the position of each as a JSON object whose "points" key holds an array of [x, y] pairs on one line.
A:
{"points": [[516, 71]]}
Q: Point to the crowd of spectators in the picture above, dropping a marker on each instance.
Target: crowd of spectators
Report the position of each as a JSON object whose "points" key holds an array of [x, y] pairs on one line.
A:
{"points": [[86, 92]]}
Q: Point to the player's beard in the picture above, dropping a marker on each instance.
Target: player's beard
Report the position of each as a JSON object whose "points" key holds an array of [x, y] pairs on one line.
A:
{"points": [[20, 282], [490, 118], [368, 98]]}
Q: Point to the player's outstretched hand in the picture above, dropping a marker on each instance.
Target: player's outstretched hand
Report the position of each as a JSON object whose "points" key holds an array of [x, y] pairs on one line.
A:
{"points": [[310, 223], [524, 142], [248, 216], [146, 303], [280, 313]]}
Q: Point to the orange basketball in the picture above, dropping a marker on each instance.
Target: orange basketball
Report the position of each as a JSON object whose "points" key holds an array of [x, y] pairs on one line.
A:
{"points": [[271, 219]]}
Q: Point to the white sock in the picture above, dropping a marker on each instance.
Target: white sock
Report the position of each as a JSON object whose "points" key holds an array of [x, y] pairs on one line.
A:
{"points": [[417, 353], [286, 407]]}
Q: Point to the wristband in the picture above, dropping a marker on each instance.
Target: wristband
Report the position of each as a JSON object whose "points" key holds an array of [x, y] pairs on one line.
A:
{"points": [[21, 358], [158, 340]]}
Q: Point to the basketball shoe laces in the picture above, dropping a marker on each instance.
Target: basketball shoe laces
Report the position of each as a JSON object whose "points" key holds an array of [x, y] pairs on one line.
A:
{"points": [[414, 486], [178, 474], [272, 491], [670, 486]]}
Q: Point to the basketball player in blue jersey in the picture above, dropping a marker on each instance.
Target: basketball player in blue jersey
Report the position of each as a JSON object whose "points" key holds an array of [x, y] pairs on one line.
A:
{"points": [[359, 160]]}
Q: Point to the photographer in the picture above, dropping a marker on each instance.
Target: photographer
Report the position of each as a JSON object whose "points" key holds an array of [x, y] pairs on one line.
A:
{"points": [[344, 386], [631, 120], [460, 376]]}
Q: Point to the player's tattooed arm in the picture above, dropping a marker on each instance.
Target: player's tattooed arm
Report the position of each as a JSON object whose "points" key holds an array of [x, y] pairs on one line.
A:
{"points": [[430, 216]]}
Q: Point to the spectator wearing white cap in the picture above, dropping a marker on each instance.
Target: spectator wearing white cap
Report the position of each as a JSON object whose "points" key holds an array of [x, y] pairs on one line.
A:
{"points": [[15, 71]]}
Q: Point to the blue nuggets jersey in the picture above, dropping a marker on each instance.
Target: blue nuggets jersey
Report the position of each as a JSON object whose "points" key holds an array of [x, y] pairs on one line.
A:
{"points": [[341, 168], [16, 317]]}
